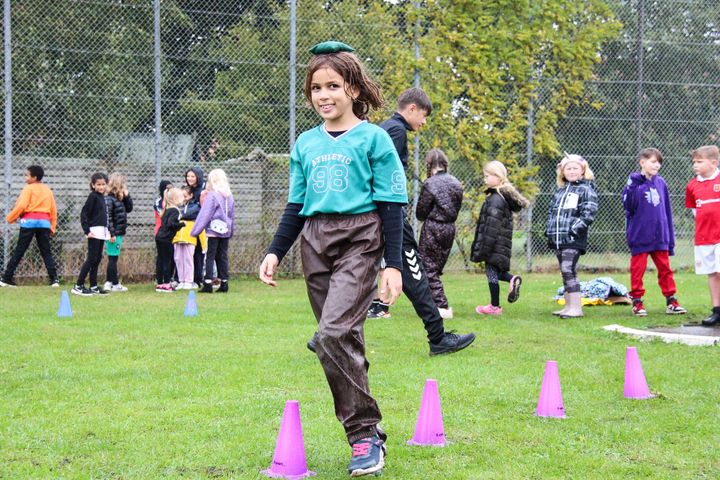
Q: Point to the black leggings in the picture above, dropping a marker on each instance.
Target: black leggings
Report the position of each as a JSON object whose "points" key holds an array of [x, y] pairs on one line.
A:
{"points": [[494, 276], [217, 253], [92, 262], [112, 270], [163, 262]]}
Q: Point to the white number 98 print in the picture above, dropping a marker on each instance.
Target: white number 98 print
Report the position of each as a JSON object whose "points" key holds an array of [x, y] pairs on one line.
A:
{"points": [[334, 178]]}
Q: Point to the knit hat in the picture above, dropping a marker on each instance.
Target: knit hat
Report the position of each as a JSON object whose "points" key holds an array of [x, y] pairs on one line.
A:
{"points": [[572, 158]]}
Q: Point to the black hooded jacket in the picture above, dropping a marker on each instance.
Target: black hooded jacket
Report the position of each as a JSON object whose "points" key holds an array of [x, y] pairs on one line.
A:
{"points": [[493, 235]]}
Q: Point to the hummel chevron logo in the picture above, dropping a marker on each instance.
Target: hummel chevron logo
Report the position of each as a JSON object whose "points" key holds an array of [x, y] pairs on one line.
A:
{"points": [[413, 264]]}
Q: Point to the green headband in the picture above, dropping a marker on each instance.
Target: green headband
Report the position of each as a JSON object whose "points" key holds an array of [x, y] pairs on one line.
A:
{"points": [[331, 46]]}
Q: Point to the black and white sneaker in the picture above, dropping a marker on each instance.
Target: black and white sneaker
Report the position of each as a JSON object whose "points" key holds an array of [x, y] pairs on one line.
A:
{"points": [[81, 290], [97, 291], [55, 283], [368, 457], [6, 282]]}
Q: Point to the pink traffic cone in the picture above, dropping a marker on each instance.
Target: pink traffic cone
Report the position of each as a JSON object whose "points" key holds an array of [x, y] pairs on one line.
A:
{"points": [[550, 403], [289, 459], [635, 385], [429, 427]]}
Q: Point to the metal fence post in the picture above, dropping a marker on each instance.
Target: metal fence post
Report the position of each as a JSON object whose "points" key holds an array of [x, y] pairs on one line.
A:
{"points": [[416, 153], [8, 124], [293, 73], [528, 161], [640, 73], [158, 95]]}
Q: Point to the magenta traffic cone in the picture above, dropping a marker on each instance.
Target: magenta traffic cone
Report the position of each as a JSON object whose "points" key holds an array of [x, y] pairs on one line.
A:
{"points": [[635, 385], [550, 403], [289, 459], [429, 427]]}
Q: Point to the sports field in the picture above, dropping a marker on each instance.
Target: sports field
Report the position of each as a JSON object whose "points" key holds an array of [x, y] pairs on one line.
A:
{"points": [[129, 388]]}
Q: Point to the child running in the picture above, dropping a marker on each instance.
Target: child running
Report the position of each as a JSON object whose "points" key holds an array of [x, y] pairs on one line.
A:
{"points": [[36, 209], [702, 195], [347, 189], [170, 223], [119, 204], [493, 235], [94, 221], [438, 206], [572, 211], [217, 218], [649, 231]]}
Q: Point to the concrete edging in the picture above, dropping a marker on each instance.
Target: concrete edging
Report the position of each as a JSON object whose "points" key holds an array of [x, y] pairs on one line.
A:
{"points": [[694, 340]]}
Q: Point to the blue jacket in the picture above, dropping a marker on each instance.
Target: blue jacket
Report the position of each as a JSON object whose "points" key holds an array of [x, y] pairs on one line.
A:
{"points": [[649, 225]]}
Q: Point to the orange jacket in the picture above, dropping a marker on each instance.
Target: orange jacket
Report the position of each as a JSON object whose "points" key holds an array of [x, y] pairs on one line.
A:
{"points": [[35, 198]]}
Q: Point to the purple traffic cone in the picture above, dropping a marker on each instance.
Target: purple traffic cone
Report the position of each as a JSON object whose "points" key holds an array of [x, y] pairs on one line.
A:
{"points": [[635, 385], [429, 427], [550, 403], [289, 459]]}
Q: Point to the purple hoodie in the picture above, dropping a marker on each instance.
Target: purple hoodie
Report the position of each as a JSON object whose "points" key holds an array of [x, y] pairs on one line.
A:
{"points": [[649, 215], [217, 206]]}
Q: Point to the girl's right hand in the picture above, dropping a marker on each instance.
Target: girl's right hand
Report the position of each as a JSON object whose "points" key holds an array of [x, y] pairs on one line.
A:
{"points": [[90, 235], [267, 269]]}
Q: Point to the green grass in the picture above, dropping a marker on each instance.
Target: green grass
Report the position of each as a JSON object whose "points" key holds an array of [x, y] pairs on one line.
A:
{"points": [[129, 388]]}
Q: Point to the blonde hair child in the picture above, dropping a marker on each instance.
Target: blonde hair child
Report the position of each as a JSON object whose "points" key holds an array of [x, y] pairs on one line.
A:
{"points": [[170, 223], [119, 204], [572, 211], [493, 235], [217, 218]]}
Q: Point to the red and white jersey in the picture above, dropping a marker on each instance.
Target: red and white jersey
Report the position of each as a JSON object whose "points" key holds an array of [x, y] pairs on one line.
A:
{"points": [[703, 195]]}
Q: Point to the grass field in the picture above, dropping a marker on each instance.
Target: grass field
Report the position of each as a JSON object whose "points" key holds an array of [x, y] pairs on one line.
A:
{"points": [[130, 389]]}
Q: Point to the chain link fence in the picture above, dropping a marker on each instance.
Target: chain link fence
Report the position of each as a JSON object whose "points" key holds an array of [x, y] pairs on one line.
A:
{"points": [[151, 90]]}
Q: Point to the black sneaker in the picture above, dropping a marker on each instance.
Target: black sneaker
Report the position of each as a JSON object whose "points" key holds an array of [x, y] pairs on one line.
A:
{"points": [[81, 290], [514, 292], [368, 457], [712, 320], [97, 291], [312, 343], [223, 287], [451, 343], [7, 283], [55, 283], [206, 287]]}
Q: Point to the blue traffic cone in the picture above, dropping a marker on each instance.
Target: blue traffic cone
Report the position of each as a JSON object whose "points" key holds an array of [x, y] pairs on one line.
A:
{"points": [[65, 310], [191, 305]]}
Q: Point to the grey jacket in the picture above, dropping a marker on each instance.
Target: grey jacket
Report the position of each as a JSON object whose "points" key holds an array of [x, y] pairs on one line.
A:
{"points": [[572, 211]]}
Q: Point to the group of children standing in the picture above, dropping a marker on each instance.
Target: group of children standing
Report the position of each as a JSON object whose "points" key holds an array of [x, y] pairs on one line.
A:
{"points": [[190, 222]]}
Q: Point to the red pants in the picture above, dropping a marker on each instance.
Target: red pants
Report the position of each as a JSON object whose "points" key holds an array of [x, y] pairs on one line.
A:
{"points": [[638, 264]]}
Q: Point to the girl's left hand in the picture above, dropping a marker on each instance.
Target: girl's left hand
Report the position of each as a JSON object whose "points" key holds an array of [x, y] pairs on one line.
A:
{"points": [[390, 285]]}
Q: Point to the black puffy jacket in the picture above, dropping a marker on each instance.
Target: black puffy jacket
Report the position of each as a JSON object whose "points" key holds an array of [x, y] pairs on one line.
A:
{"points": [[493, 235], [117, 213]]}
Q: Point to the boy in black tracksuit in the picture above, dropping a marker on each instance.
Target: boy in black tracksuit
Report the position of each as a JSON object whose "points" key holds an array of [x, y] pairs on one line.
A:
{"points": [[413, 107]]}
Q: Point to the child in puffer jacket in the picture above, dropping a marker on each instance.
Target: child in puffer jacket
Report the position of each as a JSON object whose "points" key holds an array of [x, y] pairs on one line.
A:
{"points": [[438, 207], [216, 217], [572, 211], [493, 235]]}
